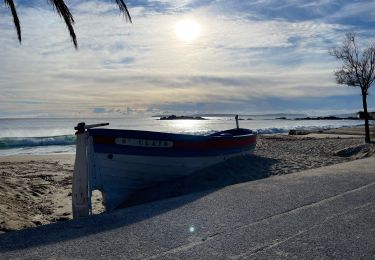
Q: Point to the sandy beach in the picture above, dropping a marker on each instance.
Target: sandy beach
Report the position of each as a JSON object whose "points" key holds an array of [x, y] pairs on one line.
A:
{"points": [[36, 190]]}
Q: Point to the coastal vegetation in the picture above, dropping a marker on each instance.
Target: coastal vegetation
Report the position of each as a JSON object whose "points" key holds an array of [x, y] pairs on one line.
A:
{"points": [[63, 11], [357, 70]]}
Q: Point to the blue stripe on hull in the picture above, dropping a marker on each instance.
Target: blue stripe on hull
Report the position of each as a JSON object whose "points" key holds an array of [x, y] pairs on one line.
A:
{"points": [[169, 152], [145, 134]]}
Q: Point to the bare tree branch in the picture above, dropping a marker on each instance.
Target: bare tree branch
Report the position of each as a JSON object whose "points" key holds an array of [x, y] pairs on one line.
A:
{"points": [[361, 66], [357, 70]]}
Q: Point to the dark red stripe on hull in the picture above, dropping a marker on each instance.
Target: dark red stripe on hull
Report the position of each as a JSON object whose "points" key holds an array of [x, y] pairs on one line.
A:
{"points": [[216, 143]]}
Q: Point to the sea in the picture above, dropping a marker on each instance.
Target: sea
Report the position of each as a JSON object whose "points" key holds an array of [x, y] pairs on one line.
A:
{"points": [[43, 136]]}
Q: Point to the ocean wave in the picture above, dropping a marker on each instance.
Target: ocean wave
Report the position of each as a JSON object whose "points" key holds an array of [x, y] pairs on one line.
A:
{"points": [[64, 140], [265, 131], [18, 142], [284, 130]]}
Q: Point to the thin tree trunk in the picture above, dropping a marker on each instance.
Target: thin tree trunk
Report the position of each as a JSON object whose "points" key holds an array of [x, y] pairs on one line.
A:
{"points": [[367, 127]]}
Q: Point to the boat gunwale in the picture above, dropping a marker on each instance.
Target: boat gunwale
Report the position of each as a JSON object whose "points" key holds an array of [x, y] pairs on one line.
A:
{"points": [[166, 135]]}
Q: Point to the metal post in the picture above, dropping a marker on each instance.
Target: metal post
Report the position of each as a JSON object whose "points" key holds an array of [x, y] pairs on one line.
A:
{"points": [[236, 117]]}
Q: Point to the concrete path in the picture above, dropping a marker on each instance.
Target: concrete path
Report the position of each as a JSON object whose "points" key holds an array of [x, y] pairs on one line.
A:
{"points": [[324, 213]]}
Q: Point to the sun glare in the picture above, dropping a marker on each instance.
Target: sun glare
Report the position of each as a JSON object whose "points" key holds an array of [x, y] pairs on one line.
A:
{"points": [[187, 30]]}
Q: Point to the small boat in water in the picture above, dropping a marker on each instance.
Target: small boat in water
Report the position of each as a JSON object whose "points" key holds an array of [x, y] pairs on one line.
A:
{"points": [[119, 162]]}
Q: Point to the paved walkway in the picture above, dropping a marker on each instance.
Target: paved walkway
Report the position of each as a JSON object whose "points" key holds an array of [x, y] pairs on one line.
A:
{"points": [[324, 213]]}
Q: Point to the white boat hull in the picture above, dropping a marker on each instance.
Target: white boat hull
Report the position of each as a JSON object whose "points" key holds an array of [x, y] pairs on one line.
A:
{"points": [[120, 162], [122, 174]]}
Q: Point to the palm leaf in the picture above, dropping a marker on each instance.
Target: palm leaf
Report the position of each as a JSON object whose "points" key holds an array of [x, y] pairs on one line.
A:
{"points": [[121, 4], [12, 7], [65, 13]]}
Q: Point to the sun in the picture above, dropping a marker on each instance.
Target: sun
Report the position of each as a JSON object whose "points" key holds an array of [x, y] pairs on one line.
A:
{"points": [[187, 30]]}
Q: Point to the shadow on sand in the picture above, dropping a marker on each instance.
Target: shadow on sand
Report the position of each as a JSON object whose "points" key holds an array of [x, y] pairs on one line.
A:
{"points": [[232, 171]]}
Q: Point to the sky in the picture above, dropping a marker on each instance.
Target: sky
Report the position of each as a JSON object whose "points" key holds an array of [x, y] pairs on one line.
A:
{"points": [[247, 57]]}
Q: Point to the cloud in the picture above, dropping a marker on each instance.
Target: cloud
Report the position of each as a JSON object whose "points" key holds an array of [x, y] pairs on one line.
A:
{"points": [[100, 110], [248, 51]]}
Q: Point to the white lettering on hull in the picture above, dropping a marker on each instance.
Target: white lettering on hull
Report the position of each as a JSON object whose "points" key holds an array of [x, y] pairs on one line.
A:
{"points": [[144, 142]]}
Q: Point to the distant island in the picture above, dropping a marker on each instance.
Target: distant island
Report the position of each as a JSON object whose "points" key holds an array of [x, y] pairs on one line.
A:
{"points": [[327, 118], [279, 116], [232, 115], [321, 118], [174, 117]]}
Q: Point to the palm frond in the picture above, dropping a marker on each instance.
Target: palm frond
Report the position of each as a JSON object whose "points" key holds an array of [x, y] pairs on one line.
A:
{"points": [[64, 12], [16, 21], [124, 9]]}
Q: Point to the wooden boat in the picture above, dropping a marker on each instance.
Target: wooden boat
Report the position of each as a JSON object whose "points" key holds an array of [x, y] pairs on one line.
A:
{"points": [[117, 162]]}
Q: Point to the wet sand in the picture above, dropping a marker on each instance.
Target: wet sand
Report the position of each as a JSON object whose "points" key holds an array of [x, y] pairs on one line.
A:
{"points": [[36, 190]]}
